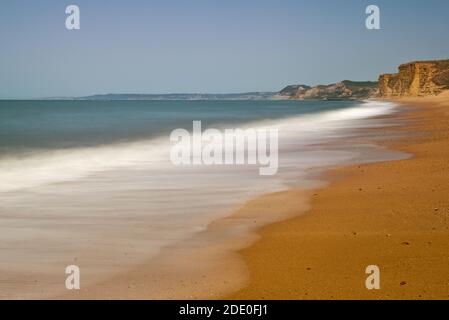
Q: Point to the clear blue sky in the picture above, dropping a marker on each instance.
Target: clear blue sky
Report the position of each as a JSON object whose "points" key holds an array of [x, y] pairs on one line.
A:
{"points": [[163, 46]]}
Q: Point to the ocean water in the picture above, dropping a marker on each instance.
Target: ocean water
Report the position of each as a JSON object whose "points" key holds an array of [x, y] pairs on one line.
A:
{"points": [[90, 182]]}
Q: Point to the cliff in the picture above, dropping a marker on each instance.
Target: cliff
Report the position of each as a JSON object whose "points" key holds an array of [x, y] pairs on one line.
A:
{"points": [[293, 90], [344, 90], [418, 78]]}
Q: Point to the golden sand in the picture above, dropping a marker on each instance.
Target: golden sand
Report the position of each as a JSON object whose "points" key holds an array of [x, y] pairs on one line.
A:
{"points": [[391, 214]]}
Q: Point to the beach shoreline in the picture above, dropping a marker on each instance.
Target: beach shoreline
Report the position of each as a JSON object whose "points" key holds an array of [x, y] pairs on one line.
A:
{"points": [[392, 214], [218, 249], [171, 232], [316, 243]]}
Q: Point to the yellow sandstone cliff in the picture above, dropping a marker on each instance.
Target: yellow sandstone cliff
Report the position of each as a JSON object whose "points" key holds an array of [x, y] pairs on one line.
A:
{"points": [[418, 78]]}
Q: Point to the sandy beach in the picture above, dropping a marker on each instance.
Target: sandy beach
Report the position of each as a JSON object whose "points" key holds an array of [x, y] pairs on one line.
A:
{"points": [[392, 214], [316, 244]]}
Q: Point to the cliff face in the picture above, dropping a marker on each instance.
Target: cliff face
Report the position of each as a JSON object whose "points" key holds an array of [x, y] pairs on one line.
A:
{"points": [[419, 78], [344, 90], [293, 90]]}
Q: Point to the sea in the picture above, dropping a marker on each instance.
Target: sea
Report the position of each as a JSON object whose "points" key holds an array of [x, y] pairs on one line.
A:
{"points": [[90, 183]]}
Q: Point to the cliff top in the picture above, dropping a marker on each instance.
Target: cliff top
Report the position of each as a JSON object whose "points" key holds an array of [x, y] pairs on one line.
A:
{"points": [[443, 61]]}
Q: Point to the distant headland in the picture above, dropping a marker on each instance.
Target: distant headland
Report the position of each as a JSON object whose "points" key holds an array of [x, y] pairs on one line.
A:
{"points": [[414, 79]]}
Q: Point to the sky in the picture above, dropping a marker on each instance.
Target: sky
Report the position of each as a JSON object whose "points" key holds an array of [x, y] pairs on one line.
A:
{"points": [[208, 46]]}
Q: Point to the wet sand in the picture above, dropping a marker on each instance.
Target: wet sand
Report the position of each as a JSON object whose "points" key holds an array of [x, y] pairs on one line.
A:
{"points": [[392, 214], [206, 265]]}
